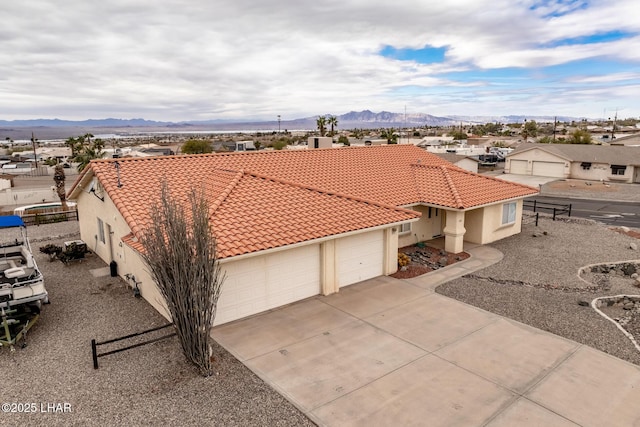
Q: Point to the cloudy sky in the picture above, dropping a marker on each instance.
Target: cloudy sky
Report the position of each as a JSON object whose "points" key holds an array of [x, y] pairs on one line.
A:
{"points": [[256, 59]]}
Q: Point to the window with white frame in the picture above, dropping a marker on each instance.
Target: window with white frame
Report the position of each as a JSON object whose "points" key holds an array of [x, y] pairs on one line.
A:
{"points": [[508, 213], [101, 236], [405, 227], [618, 169]]}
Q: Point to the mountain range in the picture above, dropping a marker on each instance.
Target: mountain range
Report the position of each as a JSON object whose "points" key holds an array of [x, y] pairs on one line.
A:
{"points": [[366, 119]]}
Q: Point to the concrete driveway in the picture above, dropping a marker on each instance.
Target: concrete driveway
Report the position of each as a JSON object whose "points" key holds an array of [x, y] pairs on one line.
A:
{"points": [[530, 180], [393, 352]]}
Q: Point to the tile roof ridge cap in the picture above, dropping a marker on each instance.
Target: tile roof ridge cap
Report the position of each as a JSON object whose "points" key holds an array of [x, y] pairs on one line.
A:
{"points": [[329, 192], [452, 186], [491, 178], [234, 182], [467, 172]]}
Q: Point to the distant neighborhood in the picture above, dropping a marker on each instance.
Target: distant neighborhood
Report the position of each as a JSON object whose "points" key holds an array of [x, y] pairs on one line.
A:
{"points": [[602, 150]]}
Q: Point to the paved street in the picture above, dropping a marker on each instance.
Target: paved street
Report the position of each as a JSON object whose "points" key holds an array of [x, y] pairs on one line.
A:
{"points": [[608, 212]]}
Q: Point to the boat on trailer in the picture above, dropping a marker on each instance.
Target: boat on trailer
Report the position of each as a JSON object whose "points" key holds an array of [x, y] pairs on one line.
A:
{"points": [[22, 290]]}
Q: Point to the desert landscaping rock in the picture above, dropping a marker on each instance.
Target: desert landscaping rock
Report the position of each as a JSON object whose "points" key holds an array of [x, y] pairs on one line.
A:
{"points": [[149, 385], [424, 259], [538, 282]]}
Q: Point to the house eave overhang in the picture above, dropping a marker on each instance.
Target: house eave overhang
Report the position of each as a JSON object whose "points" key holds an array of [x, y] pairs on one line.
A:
{"points": [[313, 241], [82, 180], [545, 149], [470, 208]]}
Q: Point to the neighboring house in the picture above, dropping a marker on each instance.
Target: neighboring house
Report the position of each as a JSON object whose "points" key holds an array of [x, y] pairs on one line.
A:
{"points": [[465, 162], [628, 140], [156, 151], [435, 141], [244, 146], [577, 161], [291, 224], [25, 156]]}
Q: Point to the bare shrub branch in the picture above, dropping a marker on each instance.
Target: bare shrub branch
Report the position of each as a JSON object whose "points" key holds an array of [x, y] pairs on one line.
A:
{"points": [[180, 252]]}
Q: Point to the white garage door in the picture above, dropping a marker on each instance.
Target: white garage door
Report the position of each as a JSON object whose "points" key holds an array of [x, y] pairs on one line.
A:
{"points": [[552, 169], [257, 284], [359, 257], [518, 167]]}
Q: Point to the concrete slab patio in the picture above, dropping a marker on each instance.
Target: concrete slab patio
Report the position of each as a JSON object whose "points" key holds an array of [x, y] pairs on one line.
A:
{"points": [[393, 352]]}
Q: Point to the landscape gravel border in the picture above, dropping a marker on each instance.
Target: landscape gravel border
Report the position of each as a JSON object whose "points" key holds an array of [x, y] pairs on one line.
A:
{"points": [[594, 305], [538, 283]]}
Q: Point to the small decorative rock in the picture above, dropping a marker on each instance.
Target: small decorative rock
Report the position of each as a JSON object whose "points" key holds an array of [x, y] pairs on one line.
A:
{"points": [[629, 269], [634, 276], [583, 303], [633, 246]]}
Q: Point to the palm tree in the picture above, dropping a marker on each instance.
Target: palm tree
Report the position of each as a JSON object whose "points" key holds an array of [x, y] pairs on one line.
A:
{"points": [[390, 135], [75, 144], [89, 152], [321, 122], [59, 179], [333, 122]]}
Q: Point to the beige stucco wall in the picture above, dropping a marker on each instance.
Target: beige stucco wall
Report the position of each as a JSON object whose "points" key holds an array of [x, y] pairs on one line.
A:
{"points": [[129, 261], [597, 171], [600, 172], [484, 226], [425, 228], [627, 177]]}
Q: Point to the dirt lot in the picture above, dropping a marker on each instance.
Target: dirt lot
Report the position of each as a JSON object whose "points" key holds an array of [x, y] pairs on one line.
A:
{"points": [[149, 385]]}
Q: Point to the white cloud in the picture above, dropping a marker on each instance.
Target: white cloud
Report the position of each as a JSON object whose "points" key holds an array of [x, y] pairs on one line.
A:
{"points": [[191, 59]]}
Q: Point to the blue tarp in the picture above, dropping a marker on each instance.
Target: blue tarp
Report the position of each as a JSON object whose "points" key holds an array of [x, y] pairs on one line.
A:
{"points": [[11, 221]]}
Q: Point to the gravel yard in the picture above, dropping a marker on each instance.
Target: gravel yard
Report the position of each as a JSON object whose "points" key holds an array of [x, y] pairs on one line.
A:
{"points": [[537, 282], [579, 188], [149, 385]]}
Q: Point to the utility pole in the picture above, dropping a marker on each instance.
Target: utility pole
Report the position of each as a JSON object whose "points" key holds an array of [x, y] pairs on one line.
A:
{"points": [[278, 123], [555, 121], [613, 128], [35, 156]]}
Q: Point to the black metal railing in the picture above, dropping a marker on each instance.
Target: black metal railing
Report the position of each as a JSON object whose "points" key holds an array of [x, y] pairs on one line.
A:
{"points": [[95, 344], [534, 218], [556, 208]]}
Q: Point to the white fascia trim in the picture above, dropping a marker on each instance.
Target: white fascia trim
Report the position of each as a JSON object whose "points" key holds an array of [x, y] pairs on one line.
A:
{"points": [[312, 242]]}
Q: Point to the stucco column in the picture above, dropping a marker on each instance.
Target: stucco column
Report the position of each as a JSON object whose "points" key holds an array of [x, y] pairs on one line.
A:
{"points": [[390, 264], [328, 280], [454, 232]]}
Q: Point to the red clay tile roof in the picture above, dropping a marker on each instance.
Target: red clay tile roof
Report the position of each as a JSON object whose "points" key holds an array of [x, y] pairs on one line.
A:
{"points": [[248, 212], [461, 189], [267, 199]]}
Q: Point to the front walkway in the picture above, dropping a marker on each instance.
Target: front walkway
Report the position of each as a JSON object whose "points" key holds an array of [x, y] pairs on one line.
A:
{"points": [[394, 352]]}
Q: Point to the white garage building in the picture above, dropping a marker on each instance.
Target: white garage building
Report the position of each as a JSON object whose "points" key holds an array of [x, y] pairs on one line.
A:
{"points": [[577, 161]]}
